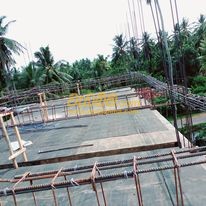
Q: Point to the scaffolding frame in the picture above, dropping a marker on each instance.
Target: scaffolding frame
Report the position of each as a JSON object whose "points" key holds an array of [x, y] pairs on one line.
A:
{"points": [[45, 113]]}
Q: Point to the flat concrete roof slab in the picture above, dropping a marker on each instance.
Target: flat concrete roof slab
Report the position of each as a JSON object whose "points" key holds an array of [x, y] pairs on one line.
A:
{"points": [[106, 134]]}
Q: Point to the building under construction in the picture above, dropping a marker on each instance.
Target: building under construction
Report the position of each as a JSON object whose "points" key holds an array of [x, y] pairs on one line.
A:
{"points": [[111, 148]]}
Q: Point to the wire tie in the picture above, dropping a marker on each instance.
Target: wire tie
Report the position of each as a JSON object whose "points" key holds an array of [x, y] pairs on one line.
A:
{"points": [[75, 167], [125, 174], [73, 182], [53, 187], [5, 191]]}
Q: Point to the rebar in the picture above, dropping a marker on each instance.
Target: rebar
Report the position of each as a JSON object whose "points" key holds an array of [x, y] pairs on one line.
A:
{"points": [[106, 178], [86, 181], [193, 152]]}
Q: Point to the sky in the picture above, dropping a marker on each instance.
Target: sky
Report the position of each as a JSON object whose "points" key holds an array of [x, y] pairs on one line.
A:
{"points": [[76, 29]]}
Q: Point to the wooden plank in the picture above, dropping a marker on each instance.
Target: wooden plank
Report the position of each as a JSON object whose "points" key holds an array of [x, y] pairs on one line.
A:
{"points": [[16, 154]]}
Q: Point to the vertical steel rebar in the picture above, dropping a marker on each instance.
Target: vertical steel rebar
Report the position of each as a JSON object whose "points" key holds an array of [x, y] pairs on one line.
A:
{"points": [[14, 198], [176, 186], [76, 107], [32, 115], [54, 196], [137, 182], [68, 193], [180, 185], [177, 179], [93, 174], [102, 189], [33, 194], [53, 188], [27, 111]]}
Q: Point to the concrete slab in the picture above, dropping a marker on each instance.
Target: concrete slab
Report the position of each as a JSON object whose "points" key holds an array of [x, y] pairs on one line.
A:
{"points": [[108, 134], [112, 137]]}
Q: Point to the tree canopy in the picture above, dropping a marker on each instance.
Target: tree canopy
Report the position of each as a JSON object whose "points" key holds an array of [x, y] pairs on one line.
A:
{"points": [[7, 48], [187, 45]]}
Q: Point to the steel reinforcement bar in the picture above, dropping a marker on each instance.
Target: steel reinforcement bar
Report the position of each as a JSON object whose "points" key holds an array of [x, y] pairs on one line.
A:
{"points": [[104, 178], [197, 151], [193, 101]]}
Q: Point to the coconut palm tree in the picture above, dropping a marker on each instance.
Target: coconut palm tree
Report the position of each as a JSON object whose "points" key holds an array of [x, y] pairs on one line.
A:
{"points": [[203, 57], [133, 52], [100, 65], [81, 69], [147, 46], [120, 57], [184, 52], [8, 47], [51, 72], [200, 31], [119, 48], [31, 76]]}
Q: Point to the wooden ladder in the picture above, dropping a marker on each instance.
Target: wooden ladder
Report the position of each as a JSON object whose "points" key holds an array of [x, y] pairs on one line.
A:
{"points": [[22, 149]]}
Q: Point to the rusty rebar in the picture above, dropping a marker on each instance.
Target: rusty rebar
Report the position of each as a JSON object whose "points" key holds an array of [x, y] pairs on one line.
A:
{"points": [[137, 182], [193, 152], [33, 194], [68, 193], [86, 181]]}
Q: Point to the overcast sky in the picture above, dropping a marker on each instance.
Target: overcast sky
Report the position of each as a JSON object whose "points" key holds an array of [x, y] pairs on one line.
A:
{"points": [[76, 29]]}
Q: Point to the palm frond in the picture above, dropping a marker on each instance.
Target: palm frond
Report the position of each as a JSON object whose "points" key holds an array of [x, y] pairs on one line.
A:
{"points": [[13, 46], [4, 29], [1, 19]]}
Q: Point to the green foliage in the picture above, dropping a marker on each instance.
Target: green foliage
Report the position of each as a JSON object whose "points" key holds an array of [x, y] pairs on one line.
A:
{"points": [[100, 66], [160, 100], [87, 91], [199, 81], [199, 85], [50, 72], [202, 57], [120, 57], [8, 47], [81, 69], [199, 131], [187, 46]]}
